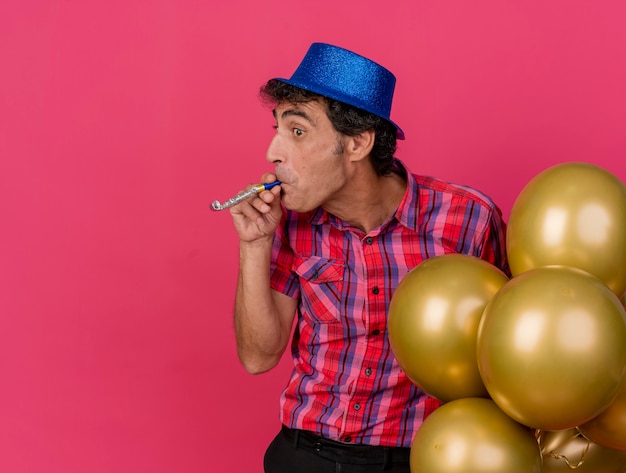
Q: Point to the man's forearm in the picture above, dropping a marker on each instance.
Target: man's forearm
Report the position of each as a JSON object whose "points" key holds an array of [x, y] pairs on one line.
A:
{"points": [[261, 334]]}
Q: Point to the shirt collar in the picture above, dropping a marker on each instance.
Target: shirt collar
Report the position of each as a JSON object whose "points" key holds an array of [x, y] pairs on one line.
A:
{"points": [[407, 211]]}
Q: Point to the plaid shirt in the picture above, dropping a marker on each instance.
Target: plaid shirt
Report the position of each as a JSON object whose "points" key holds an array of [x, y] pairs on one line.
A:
{"points": [[346, 384]]}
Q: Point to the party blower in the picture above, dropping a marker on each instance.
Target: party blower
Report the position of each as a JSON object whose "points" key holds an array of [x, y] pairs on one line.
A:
{"points": [[243, 195]]}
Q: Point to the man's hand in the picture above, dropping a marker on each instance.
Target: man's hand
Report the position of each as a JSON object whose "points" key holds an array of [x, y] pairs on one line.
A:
{"points": [[257, 218]]}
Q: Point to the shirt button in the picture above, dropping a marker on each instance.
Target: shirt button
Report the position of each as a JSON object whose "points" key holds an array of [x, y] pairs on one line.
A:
{"points": [[368, 372], [375, 290], [369, 240], [357, 406], [376, 332], [348, 439]]}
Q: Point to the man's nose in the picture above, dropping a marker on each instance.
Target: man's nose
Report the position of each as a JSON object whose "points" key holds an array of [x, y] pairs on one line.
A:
{"points": [[275, 150]]}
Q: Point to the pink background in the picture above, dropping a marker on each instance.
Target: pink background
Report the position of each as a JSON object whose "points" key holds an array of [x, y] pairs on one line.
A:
{"points": [[121, 120]]}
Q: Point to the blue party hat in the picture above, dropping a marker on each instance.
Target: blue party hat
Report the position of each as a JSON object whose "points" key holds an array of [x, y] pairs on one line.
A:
{"points": [[345, 76]]}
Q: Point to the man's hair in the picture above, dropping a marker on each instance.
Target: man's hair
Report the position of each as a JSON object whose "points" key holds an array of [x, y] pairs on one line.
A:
{"points": [[345, 118]]}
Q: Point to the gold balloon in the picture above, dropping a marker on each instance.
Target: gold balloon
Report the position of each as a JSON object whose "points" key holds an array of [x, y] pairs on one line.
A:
{"points": [[472, 435], [571, 214], [433, 321], [609, 428], [573, 453], [552, 347]]}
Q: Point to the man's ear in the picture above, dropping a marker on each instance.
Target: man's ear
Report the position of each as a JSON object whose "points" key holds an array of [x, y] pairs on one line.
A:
{"points": [[360, 146]]}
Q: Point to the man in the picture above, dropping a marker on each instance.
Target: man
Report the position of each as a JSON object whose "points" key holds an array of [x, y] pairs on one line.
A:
{"points": [[328, 247]]}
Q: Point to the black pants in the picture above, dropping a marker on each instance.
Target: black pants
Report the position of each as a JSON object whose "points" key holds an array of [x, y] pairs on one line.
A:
{"points": [[299, 451]]}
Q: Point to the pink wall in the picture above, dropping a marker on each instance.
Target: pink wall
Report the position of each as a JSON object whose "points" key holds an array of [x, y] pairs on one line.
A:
{"points": [[121, 120]]}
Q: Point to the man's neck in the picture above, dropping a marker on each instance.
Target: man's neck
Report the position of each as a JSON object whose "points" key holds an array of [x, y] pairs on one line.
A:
{"points": [[369, 200]]}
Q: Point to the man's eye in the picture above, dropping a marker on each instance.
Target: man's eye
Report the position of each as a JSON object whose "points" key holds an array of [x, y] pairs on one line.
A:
{"points": [[298, 132]]}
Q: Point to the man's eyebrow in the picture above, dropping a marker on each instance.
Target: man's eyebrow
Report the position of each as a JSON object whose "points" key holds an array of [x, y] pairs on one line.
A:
{"points": [[292, 112]]}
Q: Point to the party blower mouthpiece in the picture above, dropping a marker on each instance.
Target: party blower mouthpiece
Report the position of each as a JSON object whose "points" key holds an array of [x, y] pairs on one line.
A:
{"points": [[243, 196]]}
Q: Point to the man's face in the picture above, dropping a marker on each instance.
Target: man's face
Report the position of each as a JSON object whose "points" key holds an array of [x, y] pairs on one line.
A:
{"points": [[307, 153]]}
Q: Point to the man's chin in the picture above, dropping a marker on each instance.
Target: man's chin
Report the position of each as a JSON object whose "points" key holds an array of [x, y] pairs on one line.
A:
{"points": [[295, 206]]}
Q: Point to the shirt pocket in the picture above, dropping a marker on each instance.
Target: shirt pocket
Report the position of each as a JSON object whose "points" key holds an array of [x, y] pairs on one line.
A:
{"points": [[321, 281]]}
